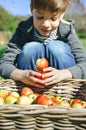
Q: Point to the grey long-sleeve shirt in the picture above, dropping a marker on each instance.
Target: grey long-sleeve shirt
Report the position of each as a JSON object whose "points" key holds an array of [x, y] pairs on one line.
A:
{"points": [[24, 34]]}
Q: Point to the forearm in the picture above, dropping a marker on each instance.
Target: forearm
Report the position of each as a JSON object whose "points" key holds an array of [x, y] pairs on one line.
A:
{"points": [[17, 74]]}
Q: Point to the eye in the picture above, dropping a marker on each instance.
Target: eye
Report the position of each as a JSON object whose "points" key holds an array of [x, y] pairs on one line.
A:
{"points": [[40, 17], [53, 19]]}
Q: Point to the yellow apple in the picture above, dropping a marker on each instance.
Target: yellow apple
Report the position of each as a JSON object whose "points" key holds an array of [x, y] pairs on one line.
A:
{"points": [[32, 98], [59, 99], [23, 100], [1, 101], [4, 93], [83, 103], [64, 103], [77, 106], [15, 94], [10, 100]]}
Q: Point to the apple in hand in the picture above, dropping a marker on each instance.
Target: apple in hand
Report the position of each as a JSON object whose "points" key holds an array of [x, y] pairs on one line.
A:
{"points": [[10, 100], [42, 63]]}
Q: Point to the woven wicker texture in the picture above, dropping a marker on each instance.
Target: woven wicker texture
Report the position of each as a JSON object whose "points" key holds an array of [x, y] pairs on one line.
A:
{"points": [[40, 117]]}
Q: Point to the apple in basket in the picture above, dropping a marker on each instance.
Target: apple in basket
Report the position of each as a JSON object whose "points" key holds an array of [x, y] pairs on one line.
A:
{"points": [[47, 100], [1, 101], [64, 103], [58, 98], [26, 91], [24, 100], [10, 100], [77, 106], [76, 103], [15, 94], [83, 103], [32, 97], [4, 93]]}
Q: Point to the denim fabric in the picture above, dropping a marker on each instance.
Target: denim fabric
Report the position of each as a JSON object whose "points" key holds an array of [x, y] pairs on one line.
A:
{"points": [[57, 52]]}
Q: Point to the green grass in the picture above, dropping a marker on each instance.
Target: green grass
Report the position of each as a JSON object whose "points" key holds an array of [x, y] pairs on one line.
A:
{"points": [[83, 40], [2, 49], [1, 78]]}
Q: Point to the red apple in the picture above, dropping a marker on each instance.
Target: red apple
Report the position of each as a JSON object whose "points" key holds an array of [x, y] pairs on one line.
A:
{"points": [[74, 101], [45, 100], [55, 102], [42, 63], [37, 97], [26, 91]]}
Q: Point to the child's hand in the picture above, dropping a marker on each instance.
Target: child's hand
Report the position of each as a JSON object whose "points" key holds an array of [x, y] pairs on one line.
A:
{"points": [[53, 75], [28, 77]]}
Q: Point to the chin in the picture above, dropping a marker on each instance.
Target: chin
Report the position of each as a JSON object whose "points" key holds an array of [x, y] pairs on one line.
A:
{"points": [[45, 34]]}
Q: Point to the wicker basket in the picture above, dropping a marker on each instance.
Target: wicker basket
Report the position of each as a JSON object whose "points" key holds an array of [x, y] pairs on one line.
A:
{"points": [[40, 117]]}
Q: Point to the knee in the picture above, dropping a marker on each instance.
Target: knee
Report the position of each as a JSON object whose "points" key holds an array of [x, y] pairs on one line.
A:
{"points": [[31, 47], [58, 48]]}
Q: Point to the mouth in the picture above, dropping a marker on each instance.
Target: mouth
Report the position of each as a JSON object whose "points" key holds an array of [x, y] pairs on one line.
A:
{"points": [[45, 30]]}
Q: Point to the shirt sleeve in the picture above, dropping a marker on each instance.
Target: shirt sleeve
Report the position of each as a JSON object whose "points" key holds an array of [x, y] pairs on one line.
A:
{"points": [[79, 70], [8, 62]]}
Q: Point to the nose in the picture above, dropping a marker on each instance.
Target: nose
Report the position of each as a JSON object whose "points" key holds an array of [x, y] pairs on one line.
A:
{"points": [[46, 23]]}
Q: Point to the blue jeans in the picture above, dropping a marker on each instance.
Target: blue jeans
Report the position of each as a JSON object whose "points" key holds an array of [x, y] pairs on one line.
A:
{"points": [[57, 52]]}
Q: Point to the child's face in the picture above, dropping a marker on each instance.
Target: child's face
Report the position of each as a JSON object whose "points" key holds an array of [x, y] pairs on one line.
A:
{"points": [[45, 21]]}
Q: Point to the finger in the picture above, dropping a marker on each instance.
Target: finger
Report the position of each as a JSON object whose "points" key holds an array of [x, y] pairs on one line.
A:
{"points": [[48, 69], [51, 82], [32, 73]]}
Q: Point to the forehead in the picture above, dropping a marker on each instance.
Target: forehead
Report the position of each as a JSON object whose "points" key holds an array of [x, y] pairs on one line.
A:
{"points": [[42, 12]]}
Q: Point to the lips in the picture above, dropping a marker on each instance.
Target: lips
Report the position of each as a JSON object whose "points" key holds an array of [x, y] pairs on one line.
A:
{"points": [[44, 30]]}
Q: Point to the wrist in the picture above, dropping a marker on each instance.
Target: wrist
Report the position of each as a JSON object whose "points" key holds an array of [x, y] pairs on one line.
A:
{"points": [[16, 74], [67, 74]]}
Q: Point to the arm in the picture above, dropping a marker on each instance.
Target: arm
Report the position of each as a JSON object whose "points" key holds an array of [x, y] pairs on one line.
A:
{"points": [[9, 60], [79, 70], [7, 63]]}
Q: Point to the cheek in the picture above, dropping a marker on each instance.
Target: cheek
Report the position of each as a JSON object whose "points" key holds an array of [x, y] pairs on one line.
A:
{"points": [[36, 23], [55, 24]]}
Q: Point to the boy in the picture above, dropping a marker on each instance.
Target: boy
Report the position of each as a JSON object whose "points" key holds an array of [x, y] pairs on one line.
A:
{"points": [[44, 34]]}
